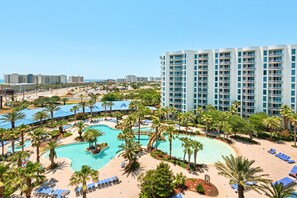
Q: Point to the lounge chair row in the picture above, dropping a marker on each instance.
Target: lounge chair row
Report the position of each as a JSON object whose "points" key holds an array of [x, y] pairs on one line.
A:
{"points": [[44, 192], [99, 184], [287, 182], [282, 156]]}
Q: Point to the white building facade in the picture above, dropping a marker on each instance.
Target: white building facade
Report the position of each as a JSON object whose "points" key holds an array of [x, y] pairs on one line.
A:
{"points": [[260, 78], [36, 79]]}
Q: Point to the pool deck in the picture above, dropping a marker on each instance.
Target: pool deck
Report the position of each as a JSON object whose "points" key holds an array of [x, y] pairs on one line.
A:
{"points": [[275, 167]]}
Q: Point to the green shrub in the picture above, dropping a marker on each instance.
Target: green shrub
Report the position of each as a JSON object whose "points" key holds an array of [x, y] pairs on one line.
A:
{"points": [[200, 189], [244, 139], [67, 134], [55, 133]]}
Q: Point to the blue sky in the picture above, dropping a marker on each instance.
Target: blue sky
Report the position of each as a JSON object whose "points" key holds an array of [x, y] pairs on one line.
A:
{"points": [[109, 39]]}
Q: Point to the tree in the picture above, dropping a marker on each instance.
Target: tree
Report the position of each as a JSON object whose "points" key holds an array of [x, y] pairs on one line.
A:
{"points": [[64, 100], [23, 129], [197, 146], [156, 125], [125, 135], [80, 127], [60, 124], [179, 180], [85, 174], [129, 150], [104, 104], [278, 191], [51, 108], [110, 104], [140, 113], [13, 117], [37, 136], [12, 135], [4, 168], [185, 145], [157, 183], [171, 135], [272, 123], [257, 121], [91, 104], [91, 136], [28, 177], [118, 115], [239, 171], [286, 112], [18, 157], [3, 134], [207, 120], [40, 116], [234, 107], [81, 97], [293, 120], [83, 105], [51, 146], [189, 152], [189, 116], [74, 109]]}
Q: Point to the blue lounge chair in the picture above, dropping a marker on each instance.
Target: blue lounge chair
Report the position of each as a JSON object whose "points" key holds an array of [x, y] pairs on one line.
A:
{"points": [[44, 191], [78, 190], [123, 165], [235, 186], [272, 151], [177, 196], [115, 179], [277, 155], [287, 182], [99, 184], [90, 186], [291, 161], [293, 172]]}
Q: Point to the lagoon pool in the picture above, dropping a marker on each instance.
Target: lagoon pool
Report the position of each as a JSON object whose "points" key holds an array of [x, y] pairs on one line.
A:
{"points": [[212, 152]]}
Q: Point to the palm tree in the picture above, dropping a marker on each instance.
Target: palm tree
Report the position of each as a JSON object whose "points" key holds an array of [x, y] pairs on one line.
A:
{"points": [[81, 97], [155, 125], [83, 105], [293, 120], [104, 104], [85, 174], [60, 124], [239, 170], [22, 129], [37, 136], [129, 151], [94, 97], [207, 120], [172, 112], [286, 112], [12, 135], [110, 104], [189, 115], [74, 109], [80, 127], [4, 167], [197, 146], [227, 129], [3, 134], [18, 157], [130, 121], [12, 117], [181, 118], [91, 136], [91, 104], [64, 100], [180, 180], [40, 116], [278, 191], [185, 144], [171, 135], [272, 123], [189, 152], [29, 177], [140, 113], [118, 115], [51, 108], [51, 146]]}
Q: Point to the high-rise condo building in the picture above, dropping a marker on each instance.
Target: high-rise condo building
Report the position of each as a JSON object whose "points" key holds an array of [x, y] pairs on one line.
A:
{"points": [[260, 78], [76, 79]]}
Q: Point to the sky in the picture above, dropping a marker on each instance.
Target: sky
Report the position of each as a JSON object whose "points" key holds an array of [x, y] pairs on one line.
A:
{"points": [[110, 39]]}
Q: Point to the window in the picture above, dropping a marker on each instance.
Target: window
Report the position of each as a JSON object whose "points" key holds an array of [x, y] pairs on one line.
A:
{"points": [[239, 79], [265, 72], [216, 67], [195, 55], [239, 85], [264, 98], [265, 65], [293, 65], [293, 58], [293, 79], [293, 51], [265, 85], [216, 61], [239, 73], [238, 98], [265, 59], [292, 86], [239, 60], [292, 100], [292, 93], [216, 55], [293, 72], [239, 91], [265, 79], [265, 52], [264, 92], [239, 66], [264, 105]]}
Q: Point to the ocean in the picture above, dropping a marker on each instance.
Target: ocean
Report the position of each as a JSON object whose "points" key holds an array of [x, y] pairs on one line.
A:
{"points": [[1, 81]]}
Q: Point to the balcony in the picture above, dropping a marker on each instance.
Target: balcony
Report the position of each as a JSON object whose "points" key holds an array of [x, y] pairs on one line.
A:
{"points": [[225, 62], [249, 55]]}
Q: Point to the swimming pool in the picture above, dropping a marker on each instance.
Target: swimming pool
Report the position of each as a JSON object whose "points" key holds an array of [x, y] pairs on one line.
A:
{"points": [[18, 147], [212, 152]]}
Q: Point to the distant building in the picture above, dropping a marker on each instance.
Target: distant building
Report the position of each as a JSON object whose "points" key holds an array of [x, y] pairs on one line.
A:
{"points": [[76, 79], [15, 78], [131, 78], [121, 80], [154, 79], [142, 79]]}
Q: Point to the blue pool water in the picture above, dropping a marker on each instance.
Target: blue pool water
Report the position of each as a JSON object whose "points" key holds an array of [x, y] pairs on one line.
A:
{"points": [[17, 147], [212, 152]]}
